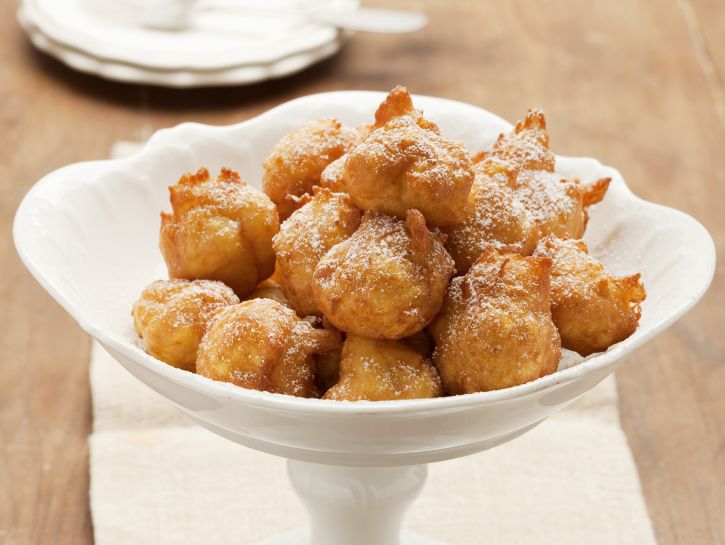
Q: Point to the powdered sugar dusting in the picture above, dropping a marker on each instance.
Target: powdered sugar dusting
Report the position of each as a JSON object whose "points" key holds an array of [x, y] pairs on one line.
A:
{"points": [[383, 370], [548, 197], [397, 271], [183, 303], [405, 162], [495, 329], [305, 237]]}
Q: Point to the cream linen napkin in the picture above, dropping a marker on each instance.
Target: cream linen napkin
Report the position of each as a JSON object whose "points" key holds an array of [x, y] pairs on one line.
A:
{"points": [[158, 480]]}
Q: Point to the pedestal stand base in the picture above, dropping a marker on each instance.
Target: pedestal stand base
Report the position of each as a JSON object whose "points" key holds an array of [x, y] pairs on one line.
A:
{"points": [[300, 537], [354, 505]]}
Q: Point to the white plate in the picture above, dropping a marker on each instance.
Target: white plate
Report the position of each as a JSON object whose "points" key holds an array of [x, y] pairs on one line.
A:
{"points": [[89, 234], [206, 67]]}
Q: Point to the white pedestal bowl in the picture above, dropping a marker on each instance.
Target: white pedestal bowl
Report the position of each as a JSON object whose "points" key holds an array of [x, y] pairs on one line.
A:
{"points": [[89, 234]]}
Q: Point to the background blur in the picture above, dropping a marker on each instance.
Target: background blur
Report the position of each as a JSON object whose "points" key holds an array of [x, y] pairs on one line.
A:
{"points": [[639, 84]]}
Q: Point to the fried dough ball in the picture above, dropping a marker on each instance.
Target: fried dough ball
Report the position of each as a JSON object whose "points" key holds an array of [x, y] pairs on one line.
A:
{"points": [[592, 308], [558, 205], [383, 370], [219, 230], [387, 281], [405, 162], [305, 237], [495, 219], [269, 289], [333, 177], [555, 205], [526, 147], [495, 330], [171, 317], [262, 345], [296, 162]]}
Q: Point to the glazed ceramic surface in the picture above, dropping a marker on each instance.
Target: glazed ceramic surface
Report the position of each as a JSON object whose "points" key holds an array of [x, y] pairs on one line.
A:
{"points": [[219, 49], [89, 234]]}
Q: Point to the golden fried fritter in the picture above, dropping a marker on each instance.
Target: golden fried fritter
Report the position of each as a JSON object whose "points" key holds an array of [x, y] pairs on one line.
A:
{"points": [[387, 281], [171, 317], [333, 177], [526, 147], [383, 370], [296, 162], [219, 230], [269, 289], [557, 205], [405, 162], [495, 329], [592, 308], [305, 237], [495, 219], [262, 345]]}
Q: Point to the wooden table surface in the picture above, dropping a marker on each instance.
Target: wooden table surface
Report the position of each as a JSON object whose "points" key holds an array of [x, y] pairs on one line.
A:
{"points": [[638, 84]]}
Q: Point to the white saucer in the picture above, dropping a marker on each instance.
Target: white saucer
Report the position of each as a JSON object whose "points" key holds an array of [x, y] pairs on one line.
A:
{"points": [[203, 56]]}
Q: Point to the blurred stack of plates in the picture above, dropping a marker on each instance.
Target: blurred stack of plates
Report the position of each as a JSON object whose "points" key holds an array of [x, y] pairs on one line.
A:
{"points": [[233, 48]]}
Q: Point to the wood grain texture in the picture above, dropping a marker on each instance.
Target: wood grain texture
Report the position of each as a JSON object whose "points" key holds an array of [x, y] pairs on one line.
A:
{"points": [[706, 25], [637, 84]]}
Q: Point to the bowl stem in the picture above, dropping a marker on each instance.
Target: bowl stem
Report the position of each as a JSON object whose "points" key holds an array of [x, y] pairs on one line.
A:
{"points": [[356, 505]]}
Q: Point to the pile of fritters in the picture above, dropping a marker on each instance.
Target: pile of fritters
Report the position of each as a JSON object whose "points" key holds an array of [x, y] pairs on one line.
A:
{"points": [[383, 262]]}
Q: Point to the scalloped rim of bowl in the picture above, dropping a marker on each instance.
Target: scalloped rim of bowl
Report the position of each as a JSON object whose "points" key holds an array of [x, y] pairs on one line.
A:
{"points": [[320, 406]]}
